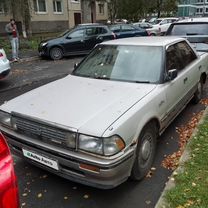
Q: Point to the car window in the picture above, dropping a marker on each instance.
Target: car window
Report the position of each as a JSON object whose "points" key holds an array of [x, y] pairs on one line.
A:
{"points": [[164, 22], [178, 56], [127, 28], [190, 29], [77, 34], [172, 59], [186, 53], [115, 28], [123, 63], [91, 31]]}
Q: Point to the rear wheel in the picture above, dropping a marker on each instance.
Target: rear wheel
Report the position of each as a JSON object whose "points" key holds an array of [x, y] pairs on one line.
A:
{"points": [[56, 53], [145, 152]]}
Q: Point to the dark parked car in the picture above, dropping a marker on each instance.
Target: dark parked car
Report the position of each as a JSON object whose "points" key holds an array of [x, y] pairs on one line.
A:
{"points": [[127, 30], [78, 41]]}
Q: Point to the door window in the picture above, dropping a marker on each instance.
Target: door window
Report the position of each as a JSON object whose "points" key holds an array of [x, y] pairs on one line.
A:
{"points": [[77, 34], [179, 55], [127, 28], [185, 53]]}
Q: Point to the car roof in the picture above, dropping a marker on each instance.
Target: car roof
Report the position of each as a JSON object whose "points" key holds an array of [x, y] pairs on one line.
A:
{"points": [[167, 18], [196, 19], [145, 41]]}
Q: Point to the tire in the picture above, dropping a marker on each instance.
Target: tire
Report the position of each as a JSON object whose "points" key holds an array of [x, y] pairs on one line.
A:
{"points": [[145, 152], [56, 53], [198, 94]]}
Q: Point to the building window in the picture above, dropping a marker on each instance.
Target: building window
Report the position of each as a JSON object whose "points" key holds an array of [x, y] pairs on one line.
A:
{"points": [[101, 8], [75, 1], [57, 6], [200, 1], [40, 6], [199, 10], [1, 8]]}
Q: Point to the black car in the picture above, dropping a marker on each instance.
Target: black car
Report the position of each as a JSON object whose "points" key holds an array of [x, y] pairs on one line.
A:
{"points": [[127, 30], [78, 41]]}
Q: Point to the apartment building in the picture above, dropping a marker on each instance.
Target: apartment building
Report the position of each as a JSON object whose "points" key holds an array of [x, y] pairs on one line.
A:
{"points": [[58, 15], [190, 8]]}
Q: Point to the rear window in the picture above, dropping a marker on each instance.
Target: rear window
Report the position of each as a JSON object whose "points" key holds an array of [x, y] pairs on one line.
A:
{"points": [[189, 29]]}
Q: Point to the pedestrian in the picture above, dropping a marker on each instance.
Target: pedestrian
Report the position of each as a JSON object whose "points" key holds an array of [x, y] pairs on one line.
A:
{"points": [[11, 29]]}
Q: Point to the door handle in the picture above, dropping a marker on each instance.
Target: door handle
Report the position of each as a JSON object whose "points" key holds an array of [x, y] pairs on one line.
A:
{"points": [[185, 80]]}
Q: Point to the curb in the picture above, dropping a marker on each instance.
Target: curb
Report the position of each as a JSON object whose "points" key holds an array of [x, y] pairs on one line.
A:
{"points": [[162, 203]]}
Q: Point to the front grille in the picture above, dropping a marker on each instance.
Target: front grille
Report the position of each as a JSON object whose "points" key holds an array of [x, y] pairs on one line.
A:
{"points": [[40, 131]]}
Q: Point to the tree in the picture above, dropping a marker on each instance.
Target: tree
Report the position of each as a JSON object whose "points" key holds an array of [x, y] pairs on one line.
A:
{"points": [[20, 11]]}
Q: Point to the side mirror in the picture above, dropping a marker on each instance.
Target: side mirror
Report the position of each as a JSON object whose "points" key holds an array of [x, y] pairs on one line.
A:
{"points": [[172, 74], [68, 37]]}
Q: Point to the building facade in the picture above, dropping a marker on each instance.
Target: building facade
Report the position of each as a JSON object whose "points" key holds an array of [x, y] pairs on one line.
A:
{"points": [[191, 8], [58, 15]]}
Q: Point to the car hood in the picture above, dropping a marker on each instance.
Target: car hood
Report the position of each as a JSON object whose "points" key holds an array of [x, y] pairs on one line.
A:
{"points": [[52, 40], [88, 105]]}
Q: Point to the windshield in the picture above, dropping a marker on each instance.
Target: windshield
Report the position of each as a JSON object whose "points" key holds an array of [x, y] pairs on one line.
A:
{"points": [[123, 63], [190, 29]]}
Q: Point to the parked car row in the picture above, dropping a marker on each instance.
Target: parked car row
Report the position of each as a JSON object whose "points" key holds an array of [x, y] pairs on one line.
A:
{"points": [[83, 38]]}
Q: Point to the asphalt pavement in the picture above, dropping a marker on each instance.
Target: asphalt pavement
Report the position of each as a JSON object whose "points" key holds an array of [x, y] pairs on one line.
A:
{"points": [[41, 189]]}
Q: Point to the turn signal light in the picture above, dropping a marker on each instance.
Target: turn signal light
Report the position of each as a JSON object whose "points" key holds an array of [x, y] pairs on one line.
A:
{"points": [[89, 168]]}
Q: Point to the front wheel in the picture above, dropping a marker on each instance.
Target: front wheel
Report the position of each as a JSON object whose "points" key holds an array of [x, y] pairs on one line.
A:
{"points": [[145, 152], [56, 53]]}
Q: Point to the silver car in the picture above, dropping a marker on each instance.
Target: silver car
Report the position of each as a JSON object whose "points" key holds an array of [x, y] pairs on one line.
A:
{"points": [[4, 64], [99, 125]]}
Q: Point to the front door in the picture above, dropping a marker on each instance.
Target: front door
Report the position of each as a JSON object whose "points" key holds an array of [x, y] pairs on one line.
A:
{"points": [[75, 41]]}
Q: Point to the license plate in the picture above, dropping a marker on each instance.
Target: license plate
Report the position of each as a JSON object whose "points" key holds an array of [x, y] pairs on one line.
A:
{"points": [[41, 159]]}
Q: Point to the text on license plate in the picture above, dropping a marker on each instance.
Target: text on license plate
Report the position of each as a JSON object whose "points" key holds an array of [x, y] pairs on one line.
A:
{"points": [[41, 159]]}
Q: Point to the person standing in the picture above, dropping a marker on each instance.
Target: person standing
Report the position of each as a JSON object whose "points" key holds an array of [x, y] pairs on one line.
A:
{"points": [[11, 29]]}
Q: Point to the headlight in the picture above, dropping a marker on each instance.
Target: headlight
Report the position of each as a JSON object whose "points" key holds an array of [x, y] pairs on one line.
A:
{"points": [[102, 146], [44, 44], [91, 144], [5, 119], [113, 145]]}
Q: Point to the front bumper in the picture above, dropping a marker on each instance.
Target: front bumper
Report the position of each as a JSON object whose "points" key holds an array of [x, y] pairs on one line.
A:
{"points": [[43, 51], [111, 172]]}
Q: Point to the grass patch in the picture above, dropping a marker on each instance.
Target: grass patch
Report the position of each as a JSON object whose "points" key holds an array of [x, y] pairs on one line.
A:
{"points": [[191, 188]]}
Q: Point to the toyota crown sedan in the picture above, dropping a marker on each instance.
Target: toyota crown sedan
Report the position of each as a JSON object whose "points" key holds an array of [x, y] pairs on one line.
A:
{"points": [[99, 125]]}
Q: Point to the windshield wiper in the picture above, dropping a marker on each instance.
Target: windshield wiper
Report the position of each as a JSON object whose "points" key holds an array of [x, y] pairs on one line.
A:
{"points": [[99, 77], [142, 82]]}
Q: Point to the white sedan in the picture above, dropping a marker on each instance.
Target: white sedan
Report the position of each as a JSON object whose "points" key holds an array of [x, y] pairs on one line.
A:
{"points": [[4, 64], [99, 125]]}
